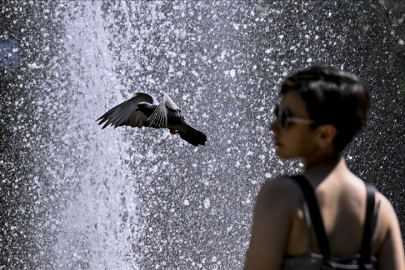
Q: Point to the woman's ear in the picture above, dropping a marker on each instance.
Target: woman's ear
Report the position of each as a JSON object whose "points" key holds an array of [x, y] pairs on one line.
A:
{"points": [[327, 134]]}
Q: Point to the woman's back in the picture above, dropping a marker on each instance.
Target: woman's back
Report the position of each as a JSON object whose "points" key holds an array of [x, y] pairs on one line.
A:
{"points": [[342, 201]]}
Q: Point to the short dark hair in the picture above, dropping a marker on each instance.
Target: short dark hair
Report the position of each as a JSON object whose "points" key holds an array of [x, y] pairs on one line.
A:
{"points": [[333, 97]]}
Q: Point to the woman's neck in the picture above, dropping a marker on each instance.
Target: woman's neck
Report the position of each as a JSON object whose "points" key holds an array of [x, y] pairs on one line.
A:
{"points": [[318, 171], [330, 160]]}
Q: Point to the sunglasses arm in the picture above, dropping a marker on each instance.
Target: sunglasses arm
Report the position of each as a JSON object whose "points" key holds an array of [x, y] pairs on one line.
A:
{"points": [[300, 120]]}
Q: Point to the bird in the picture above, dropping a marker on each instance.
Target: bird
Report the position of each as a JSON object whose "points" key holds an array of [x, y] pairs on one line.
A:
{"points": [[143, 110]]}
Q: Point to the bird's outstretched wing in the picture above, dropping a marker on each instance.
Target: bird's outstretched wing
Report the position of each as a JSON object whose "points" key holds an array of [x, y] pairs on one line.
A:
{"points": [[159, 118], [126, 113]]}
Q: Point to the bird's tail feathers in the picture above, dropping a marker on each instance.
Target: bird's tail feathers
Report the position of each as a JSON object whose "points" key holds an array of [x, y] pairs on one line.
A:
{"points": [[193, 136]]}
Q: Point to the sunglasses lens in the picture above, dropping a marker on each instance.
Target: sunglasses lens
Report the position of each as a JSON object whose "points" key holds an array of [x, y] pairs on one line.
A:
{"points": [[283, 115], [276, 111], [284, 118], [284, 122]]}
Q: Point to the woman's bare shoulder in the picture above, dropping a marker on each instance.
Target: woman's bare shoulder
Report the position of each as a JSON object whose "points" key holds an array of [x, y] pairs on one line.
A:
{"points": [[279, 184], [387, 215], [389, 250], [273, 210], [278, 191]]}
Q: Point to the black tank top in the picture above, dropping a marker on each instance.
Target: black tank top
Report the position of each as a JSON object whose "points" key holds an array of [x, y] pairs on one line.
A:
{"points": [[323, 261]]}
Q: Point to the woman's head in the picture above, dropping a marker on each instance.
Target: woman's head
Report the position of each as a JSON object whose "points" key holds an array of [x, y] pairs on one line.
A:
{"points": [[332, 97]]}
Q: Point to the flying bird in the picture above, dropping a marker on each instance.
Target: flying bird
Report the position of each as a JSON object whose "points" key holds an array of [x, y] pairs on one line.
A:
{"points": [[143, 110]]}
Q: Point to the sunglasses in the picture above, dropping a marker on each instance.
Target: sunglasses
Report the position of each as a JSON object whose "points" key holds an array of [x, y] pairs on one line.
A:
{"points": [[286, 119]]}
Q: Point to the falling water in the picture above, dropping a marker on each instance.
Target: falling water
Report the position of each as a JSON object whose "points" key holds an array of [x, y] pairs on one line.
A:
{"points": [[74, 196]]}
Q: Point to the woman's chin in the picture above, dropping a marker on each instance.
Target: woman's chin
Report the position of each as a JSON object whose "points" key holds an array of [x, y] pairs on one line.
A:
{"points": [[282, 155]]}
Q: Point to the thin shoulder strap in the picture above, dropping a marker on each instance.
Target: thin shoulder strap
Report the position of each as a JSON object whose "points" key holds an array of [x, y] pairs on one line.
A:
{"points": [[307, 216], [369, 225], [315, 215]]}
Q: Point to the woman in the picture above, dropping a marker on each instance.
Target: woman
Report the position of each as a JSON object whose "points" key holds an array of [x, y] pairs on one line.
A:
{"points": [[322, 109]]}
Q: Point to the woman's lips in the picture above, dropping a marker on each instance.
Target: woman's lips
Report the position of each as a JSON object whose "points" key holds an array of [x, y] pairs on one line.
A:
{"points": [[276, 142]]}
